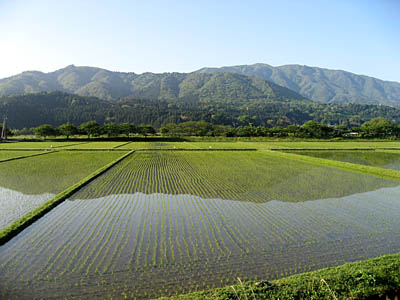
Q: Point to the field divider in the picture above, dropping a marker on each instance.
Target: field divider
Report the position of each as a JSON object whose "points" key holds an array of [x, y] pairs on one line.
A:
{"points": [[93, 149], [12, 230], [334, 149], [25, 156], [374, 171], [121, 145], [197, 149]]}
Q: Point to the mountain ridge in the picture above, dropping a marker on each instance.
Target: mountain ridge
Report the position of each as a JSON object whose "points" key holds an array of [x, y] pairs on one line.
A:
{"points": [[322, 84], [318, 84], [108, 85]]}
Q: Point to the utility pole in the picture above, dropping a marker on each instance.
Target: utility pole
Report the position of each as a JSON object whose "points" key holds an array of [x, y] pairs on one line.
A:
{"points": [[4, 129]]}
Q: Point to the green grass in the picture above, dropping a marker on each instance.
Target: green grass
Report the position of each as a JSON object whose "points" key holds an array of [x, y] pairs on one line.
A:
{"points": [[373, 278]]}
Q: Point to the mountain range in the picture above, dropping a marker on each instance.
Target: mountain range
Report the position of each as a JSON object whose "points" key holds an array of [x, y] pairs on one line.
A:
{"points": [[107, 85], [322, 85], [226, 84]]}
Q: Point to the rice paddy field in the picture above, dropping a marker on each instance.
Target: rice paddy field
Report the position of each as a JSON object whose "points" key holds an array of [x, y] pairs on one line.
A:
{"points": [[380, 158], [162, 223], [6, 155], [39, 145], [26, 183]]}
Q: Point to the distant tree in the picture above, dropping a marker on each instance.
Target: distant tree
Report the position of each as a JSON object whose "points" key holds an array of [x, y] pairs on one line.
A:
{"points": [[146, 129], [44, 130], [90, 128], [111, 129], [170, 129], [23, 131], [377, 127], [8, 131], [127, 128], [67, 129]]}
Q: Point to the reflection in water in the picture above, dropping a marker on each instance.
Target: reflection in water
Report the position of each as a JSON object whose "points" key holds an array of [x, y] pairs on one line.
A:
{"points": [[147, 245], [15, 205]]}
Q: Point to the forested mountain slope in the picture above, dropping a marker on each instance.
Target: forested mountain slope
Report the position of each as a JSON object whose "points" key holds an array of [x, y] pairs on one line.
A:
{"points": [[322, 85]]}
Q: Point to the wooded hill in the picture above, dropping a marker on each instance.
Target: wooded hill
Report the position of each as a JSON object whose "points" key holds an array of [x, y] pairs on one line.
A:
{"points": [[104, 84], [317, 84], [322, 85], [56, 108]]}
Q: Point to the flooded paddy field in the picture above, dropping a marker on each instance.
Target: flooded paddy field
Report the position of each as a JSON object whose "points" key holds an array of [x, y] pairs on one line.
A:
{"points": [[7, 154], [380, 158], [31, 181], [161, 223]]}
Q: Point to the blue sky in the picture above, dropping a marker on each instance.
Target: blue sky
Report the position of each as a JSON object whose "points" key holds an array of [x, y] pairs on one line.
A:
{"points": [[362, 37]]}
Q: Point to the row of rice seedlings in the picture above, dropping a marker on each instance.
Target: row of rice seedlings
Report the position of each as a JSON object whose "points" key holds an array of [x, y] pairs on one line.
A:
{"points": [[44, 239], [199, 224], [383, 159], [64, 253]]}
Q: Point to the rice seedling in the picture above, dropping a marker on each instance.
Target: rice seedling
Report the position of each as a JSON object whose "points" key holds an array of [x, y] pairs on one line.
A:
{"points": [[159, 223]]}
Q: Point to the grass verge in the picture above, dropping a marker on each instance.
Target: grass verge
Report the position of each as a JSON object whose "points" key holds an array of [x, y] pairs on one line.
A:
{"points": [[12, 230], [379, 172], [376, 278]]}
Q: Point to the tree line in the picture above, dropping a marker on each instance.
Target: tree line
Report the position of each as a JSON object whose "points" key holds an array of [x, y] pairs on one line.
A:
{"points": [[375, 128], [56, 108]]}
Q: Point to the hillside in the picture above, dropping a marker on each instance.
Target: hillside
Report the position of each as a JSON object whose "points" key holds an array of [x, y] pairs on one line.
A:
{"points": [[322, 85], [104, 84], [55, 108]]}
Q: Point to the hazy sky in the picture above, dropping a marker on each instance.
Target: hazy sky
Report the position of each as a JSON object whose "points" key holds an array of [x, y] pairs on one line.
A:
{"points": [[362, 37]]}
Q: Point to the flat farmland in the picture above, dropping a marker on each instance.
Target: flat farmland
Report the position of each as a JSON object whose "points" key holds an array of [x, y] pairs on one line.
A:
{"points": [[98, 145], [31, 181], [7, 154], [166, 222], [38, 145], [379, 158]]}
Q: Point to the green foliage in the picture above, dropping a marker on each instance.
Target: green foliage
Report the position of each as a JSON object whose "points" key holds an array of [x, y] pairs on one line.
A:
{"points": [[379, 127], [111, 129], [86, 81], [127, 128], [323, 85], [8, 131], [90, 128], [145, 129], [44, 130], [67, 129], [57, 108]]}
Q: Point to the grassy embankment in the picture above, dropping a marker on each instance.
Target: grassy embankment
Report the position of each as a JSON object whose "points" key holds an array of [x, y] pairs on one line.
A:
{"points": [[377, 278], [10, 231]]}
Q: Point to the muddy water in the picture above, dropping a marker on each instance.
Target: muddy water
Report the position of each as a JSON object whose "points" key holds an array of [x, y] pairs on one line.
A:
{"points": [[144, 246]]}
